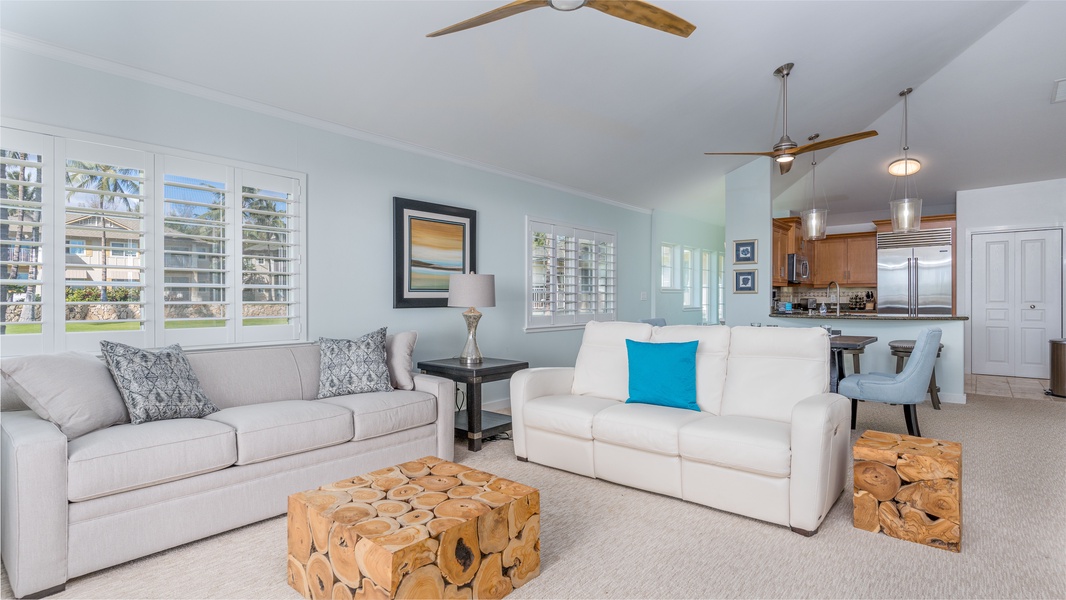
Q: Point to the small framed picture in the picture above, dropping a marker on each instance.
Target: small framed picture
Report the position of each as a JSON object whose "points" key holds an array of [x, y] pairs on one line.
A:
{"points": [[745, 282], [746, 251]]}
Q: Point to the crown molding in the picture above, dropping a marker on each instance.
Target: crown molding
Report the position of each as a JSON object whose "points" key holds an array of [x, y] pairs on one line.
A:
{"points": [[51, 51]]}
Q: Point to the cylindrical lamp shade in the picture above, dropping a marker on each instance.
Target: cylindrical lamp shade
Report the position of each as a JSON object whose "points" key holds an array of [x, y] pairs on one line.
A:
{"points": [[906, 214], [812, 222], [472, 290]]}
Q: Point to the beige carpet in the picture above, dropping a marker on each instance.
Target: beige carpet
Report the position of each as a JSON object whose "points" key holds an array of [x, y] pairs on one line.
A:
{"points": [[601, 540]]}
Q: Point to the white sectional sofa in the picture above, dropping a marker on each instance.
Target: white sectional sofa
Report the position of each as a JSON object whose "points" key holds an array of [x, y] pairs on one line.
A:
{"points": [[768, 440], [70, 507]]}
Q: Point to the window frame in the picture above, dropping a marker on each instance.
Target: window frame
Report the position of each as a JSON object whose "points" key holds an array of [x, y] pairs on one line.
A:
{"points": [[55, 336], [670, 272], [606, 294]]}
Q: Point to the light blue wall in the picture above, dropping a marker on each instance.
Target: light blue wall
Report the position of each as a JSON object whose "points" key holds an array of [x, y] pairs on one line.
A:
{"points": [[747, 217], [672, 228], [351, 183]]}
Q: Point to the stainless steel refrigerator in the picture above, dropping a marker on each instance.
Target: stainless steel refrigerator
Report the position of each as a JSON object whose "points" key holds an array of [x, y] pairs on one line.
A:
{"points": [[914, 273]]}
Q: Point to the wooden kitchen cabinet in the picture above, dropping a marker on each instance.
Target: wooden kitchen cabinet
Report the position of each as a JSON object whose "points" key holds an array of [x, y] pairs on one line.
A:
{"points": [[781, 232], [849, 259]]}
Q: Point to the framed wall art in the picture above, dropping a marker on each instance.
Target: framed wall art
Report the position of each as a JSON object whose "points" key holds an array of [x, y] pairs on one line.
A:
{"points": [[745, 251], [745, 281], [430, 243]]}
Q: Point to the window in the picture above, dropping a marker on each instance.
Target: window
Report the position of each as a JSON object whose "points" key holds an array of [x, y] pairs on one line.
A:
{"points": [[158, 249], [690, 278], [571, 275], [669, 257], [707, 297], [721, 287]]}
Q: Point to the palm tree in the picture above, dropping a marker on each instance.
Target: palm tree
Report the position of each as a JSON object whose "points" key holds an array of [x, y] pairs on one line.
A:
{"points": [[121, 187]]}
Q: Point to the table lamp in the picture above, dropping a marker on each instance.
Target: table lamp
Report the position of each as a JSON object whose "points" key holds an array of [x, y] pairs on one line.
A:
{"points": [[471, 290]]}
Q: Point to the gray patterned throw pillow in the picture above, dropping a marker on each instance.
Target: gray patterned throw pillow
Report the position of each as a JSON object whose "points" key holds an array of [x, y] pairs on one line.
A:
{"points": [[353, 366], [156, 386]]}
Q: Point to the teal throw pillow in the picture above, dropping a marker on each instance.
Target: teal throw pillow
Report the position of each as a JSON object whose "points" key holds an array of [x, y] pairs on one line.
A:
{"points": [[663, 374]]}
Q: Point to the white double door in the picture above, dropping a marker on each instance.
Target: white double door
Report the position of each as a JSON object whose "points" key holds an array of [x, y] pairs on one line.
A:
{"points": [[1016, 301]]}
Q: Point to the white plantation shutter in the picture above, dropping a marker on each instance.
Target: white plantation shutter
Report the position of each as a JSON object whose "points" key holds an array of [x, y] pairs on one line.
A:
{"points": [[270, 258], [99, 241], [104, 226], [24, 160], [571, 275]]}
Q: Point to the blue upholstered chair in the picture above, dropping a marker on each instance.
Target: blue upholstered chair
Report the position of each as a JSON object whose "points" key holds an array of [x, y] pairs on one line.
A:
{"points": [[908, 387], [656, 321]]}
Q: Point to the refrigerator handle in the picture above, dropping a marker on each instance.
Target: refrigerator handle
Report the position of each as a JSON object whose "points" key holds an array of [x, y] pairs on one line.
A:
{"points": [[912, 284], [914, 287]]}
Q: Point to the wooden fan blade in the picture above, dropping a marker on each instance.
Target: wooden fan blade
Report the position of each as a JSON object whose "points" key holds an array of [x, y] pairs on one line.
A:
{"points": [[645, 14], [514, 8], [785, 167], [837, 141], [739, 153]]}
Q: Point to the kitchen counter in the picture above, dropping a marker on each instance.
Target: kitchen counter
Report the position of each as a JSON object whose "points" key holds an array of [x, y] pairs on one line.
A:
{"points": [[863, 315]]}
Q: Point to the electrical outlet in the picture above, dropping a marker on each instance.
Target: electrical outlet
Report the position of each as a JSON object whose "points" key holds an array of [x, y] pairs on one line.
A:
{"points": [[644, 296]]}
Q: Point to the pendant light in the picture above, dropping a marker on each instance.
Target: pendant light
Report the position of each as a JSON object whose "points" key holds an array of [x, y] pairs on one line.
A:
{"points": [[907, 210], [812, 220]]}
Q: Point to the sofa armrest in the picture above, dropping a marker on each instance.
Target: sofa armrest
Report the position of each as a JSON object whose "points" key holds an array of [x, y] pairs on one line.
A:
{"points": [[33, 496], [444, 390], [820, 435], [534, 383]]}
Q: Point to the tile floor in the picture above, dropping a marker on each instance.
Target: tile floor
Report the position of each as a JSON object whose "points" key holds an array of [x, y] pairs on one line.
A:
{"points": [[1011, 387]]}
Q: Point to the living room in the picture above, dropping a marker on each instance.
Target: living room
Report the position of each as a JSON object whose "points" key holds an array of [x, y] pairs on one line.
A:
{"points": [[350, 174]]}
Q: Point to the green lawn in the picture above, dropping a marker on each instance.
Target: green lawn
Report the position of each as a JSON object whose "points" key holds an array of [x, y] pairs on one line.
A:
{"points": [[82, 326]]}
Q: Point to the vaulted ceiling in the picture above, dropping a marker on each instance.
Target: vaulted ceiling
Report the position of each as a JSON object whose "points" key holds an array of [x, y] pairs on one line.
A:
{"points": [[613, 110]]}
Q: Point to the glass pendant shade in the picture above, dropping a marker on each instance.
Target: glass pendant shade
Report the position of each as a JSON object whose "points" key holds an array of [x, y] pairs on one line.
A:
{"points": [[906, 214], [812, 222]]}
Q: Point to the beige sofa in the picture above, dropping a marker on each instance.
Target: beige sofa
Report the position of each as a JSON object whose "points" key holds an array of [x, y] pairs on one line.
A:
{"points": [[71, 507], [768, 440]]}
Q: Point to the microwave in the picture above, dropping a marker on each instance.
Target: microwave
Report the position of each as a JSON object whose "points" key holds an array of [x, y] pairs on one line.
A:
{"points": [[799, 270]]}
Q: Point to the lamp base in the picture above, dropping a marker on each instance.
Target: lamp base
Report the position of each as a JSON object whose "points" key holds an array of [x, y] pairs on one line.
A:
{"points": [[471, 354]]}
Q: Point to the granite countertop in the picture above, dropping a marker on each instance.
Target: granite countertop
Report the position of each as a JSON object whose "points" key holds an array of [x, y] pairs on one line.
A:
{"points": [[863, 316]]}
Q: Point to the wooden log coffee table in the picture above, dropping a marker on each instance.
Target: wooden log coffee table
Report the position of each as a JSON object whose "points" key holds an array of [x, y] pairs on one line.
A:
{"points": [[422, 529], [910, 488]]}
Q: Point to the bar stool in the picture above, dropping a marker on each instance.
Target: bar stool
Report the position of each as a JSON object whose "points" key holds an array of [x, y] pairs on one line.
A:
{"points": [[902, 349]]}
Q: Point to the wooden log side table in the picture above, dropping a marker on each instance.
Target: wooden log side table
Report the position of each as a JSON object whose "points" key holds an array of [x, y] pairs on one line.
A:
{"points": [[479, 423], [910, 488], [428, 528]]}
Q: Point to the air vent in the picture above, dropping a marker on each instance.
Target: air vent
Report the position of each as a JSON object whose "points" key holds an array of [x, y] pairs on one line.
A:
{"points": [[1058, 92], [926, 237]]}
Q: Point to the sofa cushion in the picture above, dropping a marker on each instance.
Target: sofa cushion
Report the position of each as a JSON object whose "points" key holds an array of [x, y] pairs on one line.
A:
{"points": [[156, 386], [755, 445], [663, 374], [568, 415], [773, 368], [73, 390], [380, 413], [275, 429], [239, 376], [602, 367], [711, 359], [353, 366], [128, 457], [398, 350], [643, 426]]}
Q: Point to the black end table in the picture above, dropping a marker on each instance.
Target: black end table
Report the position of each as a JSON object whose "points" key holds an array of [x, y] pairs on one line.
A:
{"points": [[479, 423]]}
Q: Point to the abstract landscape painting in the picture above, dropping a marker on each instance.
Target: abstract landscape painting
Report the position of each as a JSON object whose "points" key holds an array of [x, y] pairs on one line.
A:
{"points": [[432, 242]]}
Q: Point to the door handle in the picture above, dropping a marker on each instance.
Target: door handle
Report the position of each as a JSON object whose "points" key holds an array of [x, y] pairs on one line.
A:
{"points": [[1032, 306]]}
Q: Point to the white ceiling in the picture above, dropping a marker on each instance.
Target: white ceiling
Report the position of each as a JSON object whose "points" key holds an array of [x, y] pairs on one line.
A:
{"points": [[621, 112]]}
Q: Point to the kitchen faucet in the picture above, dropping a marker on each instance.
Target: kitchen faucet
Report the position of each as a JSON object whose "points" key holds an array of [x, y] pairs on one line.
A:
{"points": [[837, 296]]}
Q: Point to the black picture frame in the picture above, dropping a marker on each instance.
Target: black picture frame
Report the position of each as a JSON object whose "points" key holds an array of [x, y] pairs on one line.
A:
{"points": [[421, 280]]}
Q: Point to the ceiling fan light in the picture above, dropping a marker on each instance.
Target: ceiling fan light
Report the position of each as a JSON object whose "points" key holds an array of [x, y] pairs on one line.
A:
{"points": [[782, 158], [904, 166], [567, 5]]}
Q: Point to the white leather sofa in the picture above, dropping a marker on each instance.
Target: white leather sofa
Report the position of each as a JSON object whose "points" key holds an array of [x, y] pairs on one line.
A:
{"points": [[768, 442], [71, 507]]}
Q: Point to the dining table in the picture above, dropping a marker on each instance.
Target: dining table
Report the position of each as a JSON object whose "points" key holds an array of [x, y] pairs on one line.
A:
{"points": [[837, 345]]}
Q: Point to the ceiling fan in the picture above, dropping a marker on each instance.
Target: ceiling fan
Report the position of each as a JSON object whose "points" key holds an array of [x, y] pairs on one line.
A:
{"points": [[641, 13], [785, 150]]}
